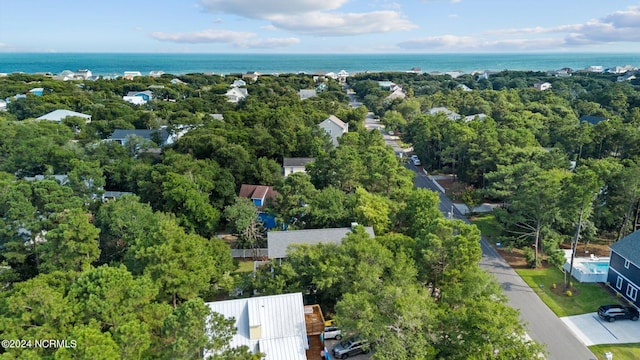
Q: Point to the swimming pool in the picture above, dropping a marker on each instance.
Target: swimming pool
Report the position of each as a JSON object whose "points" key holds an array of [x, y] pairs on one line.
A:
{"points": [[589, 270], [597, 267]]}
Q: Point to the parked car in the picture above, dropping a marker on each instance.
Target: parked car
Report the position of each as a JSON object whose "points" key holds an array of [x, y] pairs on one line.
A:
{"points": [[332, 332], [350, 347], [615, 312], [416, 162]]}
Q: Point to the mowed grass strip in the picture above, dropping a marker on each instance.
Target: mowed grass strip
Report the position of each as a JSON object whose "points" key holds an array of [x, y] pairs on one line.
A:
{"points": [[619, 351], [587, 298]]}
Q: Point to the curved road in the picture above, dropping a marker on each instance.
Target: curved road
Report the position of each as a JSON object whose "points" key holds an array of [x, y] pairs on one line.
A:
{"points": [[542, 324]]}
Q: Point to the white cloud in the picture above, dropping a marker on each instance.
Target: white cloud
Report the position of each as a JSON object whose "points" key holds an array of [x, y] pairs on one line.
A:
{"points": [[204, 36], [234, 38], [262, 9], [453, 16], [330, 24], [619, 26], [469, 43], [313, 17]]}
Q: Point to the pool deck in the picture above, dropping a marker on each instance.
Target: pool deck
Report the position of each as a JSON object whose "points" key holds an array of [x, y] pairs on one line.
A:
{"points": [[583, 273]]}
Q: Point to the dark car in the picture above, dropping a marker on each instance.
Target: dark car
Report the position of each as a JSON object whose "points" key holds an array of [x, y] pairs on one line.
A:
{"points": [[615, 312], [350, 347]]}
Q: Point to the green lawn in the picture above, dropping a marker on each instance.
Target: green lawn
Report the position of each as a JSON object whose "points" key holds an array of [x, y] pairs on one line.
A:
{"points": [[619, 351], [588, 298], [245, 266], [487, 225]]}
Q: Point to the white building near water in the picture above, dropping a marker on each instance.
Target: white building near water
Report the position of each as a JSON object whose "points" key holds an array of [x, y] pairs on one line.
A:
{"points": [[273, 325]]}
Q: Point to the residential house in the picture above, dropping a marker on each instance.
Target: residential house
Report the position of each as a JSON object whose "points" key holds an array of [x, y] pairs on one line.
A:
{"points": [[158, 136], [113, 195], [177, 81], [443, 110], [60, 114], [3, 105], [236, 94], [83, 74], [135, 100], [61, 179], [156, 73], [397, 93], [480, 116], [129, 75], [307, 93], [593, 120], [595, 68], [261, 196], [464, 87], [251, 76], [279, 241], [415, 70], [239, 83], [65, 75], [217, 116], [542, 86], [138, 97], [626, 77], [273, 325], [386, 85], [334, 127], [294, 165], [37, 91], [624, 268]]}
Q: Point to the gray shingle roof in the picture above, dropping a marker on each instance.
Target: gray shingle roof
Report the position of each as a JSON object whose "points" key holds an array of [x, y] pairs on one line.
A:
{"points": [[122, 134], [629, 247], [301, 161], [278, 241]]}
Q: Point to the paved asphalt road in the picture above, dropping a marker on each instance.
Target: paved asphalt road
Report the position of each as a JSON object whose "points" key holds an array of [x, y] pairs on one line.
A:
{"points": [[542, 324]]}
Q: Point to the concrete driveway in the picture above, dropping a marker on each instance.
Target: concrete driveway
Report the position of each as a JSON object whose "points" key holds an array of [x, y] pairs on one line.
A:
{"points": [[591, 330]]}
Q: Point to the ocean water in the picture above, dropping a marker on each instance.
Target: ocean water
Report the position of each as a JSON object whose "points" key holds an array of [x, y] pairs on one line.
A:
{"points": [[115, 63]]}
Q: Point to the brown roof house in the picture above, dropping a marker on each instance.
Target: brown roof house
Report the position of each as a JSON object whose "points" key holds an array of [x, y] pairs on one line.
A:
{"points": [[261, 195]]}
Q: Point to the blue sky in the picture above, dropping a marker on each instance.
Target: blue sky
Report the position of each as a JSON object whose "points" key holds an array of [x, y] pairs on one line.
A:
{"points": [[320, 26]]}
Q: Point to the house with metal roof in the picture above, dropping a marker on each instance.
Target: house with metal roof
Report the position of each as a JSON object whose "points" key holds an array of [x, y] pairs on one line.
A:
{"points": [[273, 325], [279, 241], [591, 119], [60, 114], [624, 268]]}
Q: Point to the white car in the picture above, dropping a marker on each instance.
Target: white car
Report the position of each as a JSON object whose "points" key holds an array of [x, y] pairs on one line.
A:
{"points": [[332, 332]]}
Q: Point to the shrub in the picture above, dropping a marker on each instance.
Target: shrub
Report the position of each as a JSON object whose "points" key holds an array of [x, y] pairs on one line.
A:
{"points": [[569, 293]]}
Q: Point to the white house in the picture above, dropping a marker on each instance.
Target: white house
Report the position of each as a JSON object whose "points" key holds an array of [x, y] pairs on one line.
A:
{"points": [[156, 73], [443, 110], [294, 165], [3, 105], [273, 325], [83, 74], [138, 97], [239, 83], [307, 93], [60, 114], [129, 75], [626, 77], [236, 94], [542, 86], [335, 128]]}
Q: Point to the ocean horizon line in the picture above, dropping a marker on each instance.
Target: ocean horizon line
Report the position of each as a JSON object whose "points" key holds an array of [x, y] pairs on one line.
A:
{"points": [[110, 63]]}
